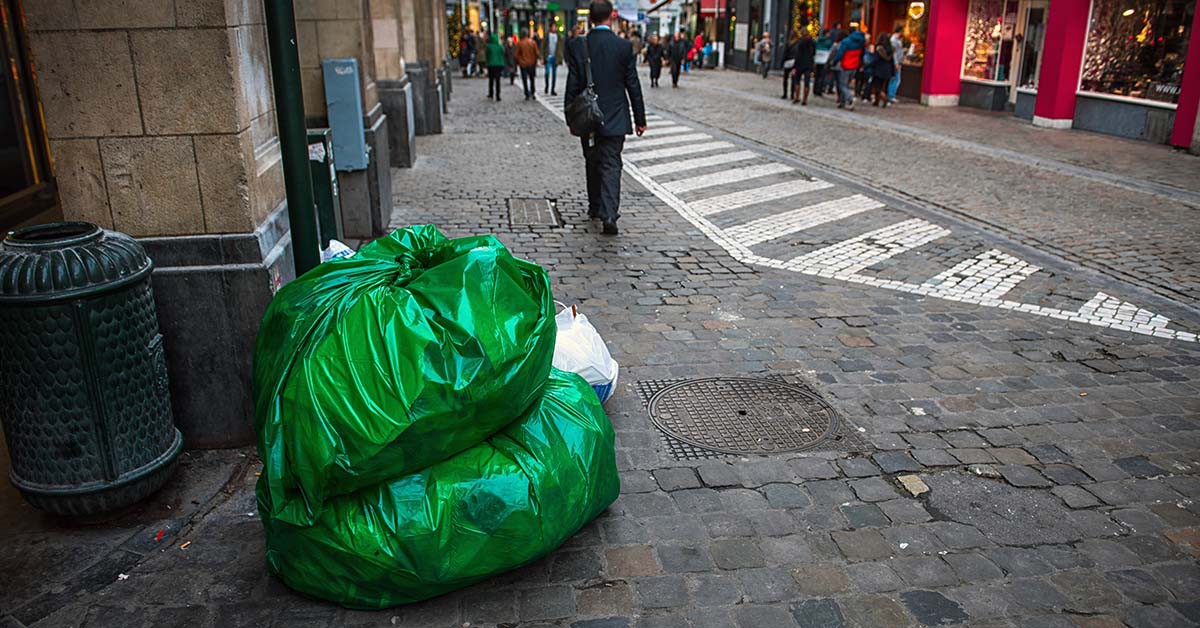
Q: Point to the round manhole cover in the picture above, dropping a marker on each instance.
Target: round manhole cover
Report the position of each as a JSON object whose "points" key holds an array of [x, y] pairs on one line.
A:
{"points": [[739, 415]]}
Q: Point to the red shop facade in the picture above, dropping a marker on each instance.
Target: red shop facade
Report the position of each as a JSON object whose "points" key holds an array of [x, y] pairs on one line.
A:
{"points": [[1124, 67]]}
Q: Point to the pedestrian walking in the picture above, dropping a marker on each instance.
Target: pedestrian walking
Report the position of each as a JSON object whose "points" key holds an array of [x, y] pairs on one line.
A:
{"points": [[881, 70], [526, 56], [898, 54], [824, 44], [510, 60], [698, 44], [495, 65], [466, 52], [848, 58], [613, 70], [805, 55], [789, 61], [553, 55], [654, 58], [862, 78], [763, 52], [480, 66], [677, 56]]}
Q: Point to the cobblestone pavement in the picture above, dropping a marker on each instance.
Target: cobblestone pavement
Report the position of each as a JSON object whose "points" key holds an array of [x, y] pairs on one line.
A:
{"points": [[994, 466], [1123, 207]]}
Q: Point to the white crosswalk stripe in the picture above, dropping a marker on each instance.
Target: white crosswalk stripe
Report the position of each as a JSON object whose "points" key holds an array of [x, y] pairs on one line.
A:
{"points": [[676, 151], [725, 177], [698, 162], [796, 220], [735, 200], [639, 144], [849, 257], [989, 275], [666, 130]]}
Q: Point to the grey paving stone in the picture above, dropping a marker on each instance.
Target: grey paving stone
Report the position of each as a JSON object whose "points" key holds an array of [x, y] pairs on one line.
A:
{"points": [[1035, 594], [818, 613], [972, 456], [813, 468], [932, 608], [1002, 437], [1065, 474], [743, 500], [964, 439], [711, 618], [1019, 562], [767, 584], [1102, 470], [569, 566], [1064, 556], [775, 522], [1012, 455], [1075, 497], [1087, 590], [683, 558], [714, 589], [820, 579], [786, 550], [719, 475], [1156, 617], [760, 472], [1138, 585], [925, 440], [862, 544], [661, 592], [646, 504], [736, 553], [1047, 454], [904, 511], [723, 524], [874, 610], [895, 462], [1182, 579], [1006, 515], [758, 616], [1022, 476], [607, 622], [786, 496], [663, 621], [1092, 523], [864, 515], [925, 571], [692, 501], [1150, 549], [547, 603], [858, 467], [874, 577], [973, 567], [829, 491], [873, 489], [676, 478], [935, 457], [1139, 467], [912, 539]]}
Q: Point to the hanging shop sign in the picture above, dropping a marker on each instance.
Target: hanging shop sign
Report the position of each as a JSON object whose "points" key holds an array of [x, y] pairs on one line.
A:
{"points": [[916, 10]]}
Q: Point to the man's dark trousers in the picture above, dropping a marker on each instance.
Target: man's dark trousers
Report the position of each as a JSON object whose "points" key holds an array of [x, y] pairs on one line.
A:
{"points": [[529, 80], [676, 68], [603, 159]]}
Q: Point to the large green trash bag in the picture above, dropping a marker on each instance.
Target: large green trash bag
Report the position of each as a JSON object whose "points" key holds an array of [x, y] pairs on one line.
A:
{"points": [[501, 504], [370, 367]]}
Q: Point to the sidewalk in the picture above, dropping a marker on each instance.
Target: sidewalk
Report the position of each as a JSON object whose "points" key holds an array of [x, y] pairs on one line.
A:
{"points": [[990, 467]]}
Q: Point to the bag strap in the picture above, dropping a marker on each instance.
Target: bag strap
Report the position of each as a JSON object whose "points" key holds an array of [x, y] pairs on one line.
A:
{"points": [[587, 63]]}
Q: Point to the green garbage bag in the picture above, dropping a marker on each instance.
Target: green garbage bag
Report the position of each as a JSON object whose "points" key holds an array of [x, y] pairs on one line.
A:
{"points": [[501, 504], [370, 367]]}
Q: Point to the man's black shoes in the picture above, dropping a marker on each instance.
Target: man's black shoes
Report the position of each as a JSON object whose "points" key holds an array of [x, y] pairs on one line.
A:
{"points": [[610, 228]]}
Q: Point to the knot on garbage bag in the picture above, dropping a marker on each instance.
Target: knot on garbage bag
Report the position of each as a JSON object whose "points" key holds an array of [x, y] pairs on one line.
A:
{"points": [[411, 265]]}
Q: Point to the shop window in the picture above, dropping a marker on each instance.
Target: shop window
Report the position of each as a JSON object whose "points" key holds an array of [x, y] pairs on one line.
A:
{"points": [[915, 23], [988, 53], [1136, 48]]}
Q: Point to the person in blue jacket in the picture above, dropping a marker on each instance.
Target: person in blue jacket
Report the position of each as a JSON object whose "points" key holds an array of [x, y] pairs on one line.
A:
{"points": [[848, 57]]}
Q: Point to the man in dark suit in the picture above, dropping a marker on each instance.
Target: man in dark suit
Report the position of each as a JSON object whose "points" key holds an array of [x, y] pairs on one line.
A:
{"points": [[614, 74]]}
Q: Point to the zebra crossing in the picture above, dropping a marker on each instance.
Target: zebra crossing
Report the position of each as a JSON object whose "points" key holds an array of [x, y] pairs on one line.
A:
{"points": [[750, 204]]}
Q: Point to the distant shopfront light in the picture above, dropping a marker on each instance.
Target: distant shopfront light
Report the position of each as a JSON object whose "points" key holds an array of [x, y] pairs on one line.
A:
{"points": [[916, 10]]}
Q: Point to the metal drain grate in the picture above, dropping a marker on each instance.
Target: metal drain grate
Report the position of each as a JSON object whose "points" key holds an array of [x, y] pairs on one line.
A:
{"points": [[538, 212], [720, 416]]}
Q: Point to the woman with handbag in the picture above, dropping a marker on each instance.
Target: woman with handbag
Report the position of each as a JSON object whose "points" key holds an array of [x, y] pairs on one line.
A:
{"points": [[789, 62], [881, 70]]}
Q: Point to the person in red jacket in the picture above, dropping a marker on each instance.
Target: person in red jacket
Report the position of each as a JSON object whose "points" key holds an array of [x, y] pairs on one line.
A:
{"points": [[848, 57]]}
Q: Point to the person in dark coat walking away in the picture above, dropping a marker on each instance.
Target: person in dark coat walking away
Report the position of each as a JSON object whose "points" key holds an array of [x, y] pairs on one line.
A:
{"points": [[526, 56], [677, 54], [789, 61], [495, 65], [823, 43], [881, 69], [654, 57], [615, 78], [805, 60]]}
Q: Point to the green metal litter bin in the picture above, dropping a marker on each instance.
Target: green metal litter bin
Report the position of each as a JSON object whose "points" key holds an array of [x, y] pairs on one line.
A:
{"points": [[83, 380]]}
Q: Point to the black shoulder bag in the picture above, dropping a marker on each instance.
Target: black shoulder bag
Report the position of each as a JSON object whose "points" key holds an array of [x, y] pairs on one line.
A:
{"points": [[584, 116]]}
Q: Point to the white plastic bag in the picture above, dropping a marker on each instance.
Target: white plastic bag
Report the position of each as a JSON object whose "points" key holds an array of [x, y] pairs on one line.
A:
{"points": [[336, 250], [578, 348]]}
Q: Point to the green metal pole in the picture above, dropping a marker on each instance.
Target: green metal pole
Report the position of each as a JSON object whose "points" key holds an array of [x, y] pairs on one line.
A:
{"points": [[293, 138]]}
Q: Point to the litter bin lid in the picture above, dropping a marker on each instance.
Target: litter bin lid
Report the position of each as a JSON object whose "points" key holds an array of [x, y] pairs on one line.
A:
{"points": [[62, 260]]}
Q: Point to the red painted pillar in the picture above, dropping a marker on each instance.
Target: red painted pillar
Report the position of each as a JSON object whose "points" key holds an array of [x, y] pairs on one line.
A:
{"points": [[835, 12], [1062, 61], [1189, 94], [944, 40]]}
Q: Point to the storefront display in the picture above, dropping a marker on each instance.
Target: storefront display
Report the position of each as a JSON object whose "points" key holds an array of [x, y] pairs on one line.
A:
{"points": [[915, 27], [1136, 48], [991, 25]]}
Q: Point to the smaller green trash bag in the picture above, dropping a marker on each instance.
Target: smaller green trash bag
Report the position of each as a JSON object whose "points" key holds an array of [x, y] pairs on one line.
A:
{"points": [[499, 505], [370, 367]]}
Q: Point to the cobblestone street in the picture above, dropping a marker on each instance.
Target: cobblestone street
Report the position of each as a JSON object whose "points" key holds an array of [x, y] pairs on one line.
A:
{"points": [[1004, 318]]}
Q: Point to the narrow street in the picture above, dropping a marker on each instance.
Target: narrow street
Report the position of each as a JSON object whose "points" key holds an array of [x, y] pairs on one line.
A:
{"points": [[992, 329]]}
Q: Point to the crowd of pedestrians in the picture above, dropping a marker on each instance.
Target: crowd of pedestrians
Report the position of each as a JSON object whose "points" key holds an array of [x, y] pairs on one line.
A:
{"points": [[845, 64], [488, 54]]}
